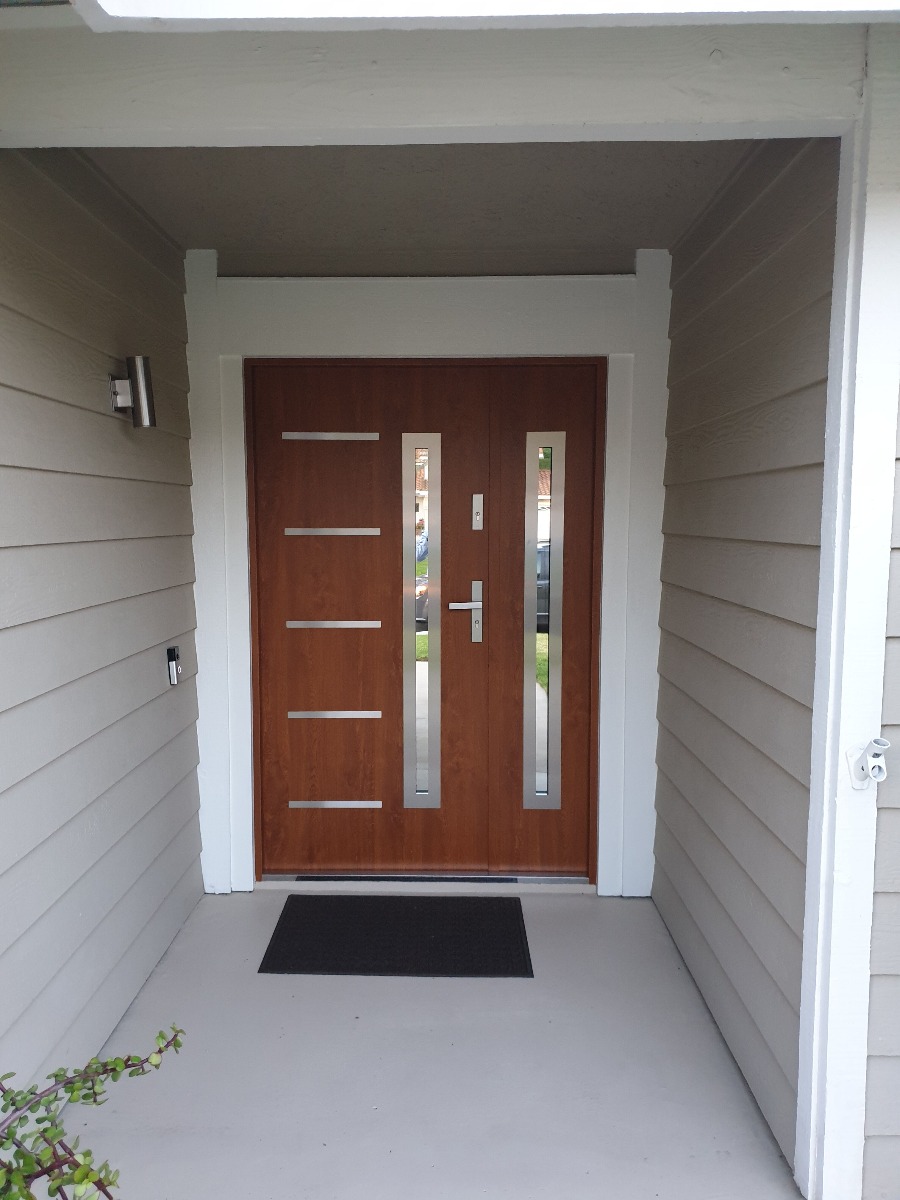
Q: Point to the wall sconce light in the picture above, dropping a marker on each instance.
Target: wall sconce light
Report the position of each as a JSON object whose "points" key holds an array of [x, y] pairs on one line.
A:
{"points": [[135, 392]]}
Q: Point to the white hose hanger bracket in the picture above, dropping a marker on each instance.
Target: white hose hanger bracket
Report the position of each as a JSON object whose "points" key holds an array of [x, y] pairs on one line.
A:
{"points": [[867, 763]]}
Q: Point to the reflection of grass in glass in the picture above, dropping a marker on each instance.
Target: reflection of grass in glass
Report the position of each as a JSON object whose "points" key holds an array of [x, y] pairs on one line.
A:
{"points": [[422, 567], [542, 659], [421, 647]]}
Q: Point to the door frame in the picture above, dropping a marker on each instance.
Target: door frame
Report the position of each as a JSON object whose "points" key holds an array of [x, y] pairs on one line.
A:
{"points": [[594, 361], [621, 318]]}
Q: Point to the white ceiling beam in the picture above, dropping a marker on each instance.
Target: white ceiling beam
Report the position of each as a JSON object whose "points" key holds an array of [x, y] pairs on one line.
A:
{"points": [[73, 88], [318, 15]]}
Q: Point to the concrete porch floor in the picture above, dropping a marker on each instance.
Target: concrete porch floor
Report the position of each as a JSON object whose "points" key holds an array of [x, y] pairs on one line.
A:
{"points": [[603, 1077]]}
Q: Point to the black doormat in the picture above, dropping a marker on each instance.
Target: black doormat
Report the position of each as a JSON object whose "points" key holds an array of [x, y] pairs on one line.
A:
{"points": [[463, 936]]}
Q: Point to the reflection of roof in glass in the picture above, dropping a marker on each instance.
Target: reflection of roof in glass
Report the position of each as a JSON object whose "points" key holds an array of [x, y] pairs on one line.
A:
{"points": [[421, 479], [543, 481]]}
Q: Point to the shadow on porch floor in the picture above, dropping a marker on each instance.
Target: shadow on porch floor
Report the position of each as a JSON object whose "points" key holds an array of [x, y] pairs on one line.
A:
{"points": [[603, 1077]]}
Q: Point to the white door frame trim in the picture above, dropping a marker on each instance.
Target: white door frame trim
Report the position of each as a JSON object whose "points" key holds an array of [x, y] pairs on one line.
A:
{"points": [[623, 317]]}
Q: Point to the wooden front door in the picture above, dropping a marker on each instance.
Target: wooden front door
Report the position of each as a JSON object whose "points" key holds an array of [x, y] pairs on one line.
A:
{"points": [[424, 550]]}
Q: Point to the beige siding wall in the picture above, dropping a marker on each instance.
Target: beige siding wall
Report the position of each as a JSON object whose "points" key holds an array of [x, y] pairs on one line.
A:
{"points": [[882, 1158], [751, 298], [98, 793]]}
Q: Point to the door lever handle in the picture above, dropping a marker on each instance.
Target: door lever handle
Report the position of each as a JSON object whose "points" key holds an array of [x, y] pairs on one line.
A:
{"points": [[474, 606]]}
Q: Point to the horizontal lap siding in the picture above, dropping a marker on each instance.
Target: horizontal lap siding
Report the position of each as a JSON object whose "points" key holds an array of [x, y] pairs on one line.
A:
{"points": [[751, 300], [882, 1158], [99, 853]]}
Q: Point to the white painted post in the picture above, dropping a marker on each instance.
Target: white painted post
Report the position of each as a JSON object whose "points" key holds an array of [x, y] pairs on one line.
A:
{"points": [[856, 535], [647, 496], [208, 498]]}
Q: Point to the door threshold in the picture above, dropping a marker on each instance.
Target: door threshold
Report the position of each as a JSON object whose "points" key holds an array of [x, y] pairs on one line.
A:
{"points": [[517, 884]]}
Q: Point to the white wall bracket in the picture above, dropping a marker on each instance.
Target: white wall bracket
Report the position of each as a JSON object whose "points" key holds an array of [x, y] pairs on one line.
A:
{"points": [[867, 763]]}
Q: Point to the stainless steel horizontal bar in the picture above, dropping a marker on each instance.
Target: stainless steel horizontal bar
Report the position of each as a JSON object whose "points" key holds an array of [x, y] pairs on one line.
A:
{"points": [[332, 624], [330, 437], [334, 804], [333, 532], [466, 605], [349, 714]]}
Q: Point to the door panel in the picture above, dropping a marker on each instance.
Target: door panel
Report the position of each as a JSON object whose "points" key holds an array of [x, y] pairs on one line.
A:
{"points": [[329, 577], [541, 397]]}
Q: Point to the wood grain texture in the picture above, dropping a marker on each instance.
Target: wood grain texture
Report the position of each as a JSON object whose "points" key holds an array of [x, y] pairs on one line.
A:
{"points": [[769, 365], [481, 824], [37, 208], [567, 398], [883, 1096], [77, 177], [880, 1160], [887, 854], [45, 655], [768, 791], [34, 284], [765, 1005], [58, 792], [778, 873], [48, 436], [773, 651], [763, 716], [893, 613], [773, 943], [884, 1004], [777, 215], [98, 790], [778, 506], [49, 1019], [800, 270], [750, 328], [758, 172], [778, 1098], [891, 702], [138, 828], [49, 507], [774, 578], [37, 582], [886, 934], [305, 89], [42, 729], [42, 362], [780, 434]]}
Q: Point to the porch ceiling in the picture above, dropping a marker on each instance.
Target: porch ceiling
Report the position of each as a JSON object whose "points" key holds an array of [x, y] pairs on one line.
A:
{"points": [[578, 208]]}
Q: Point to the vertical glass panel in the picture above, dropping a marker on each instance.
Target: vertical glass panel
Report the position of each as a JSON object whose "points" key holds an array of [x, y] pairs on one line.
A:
{"points": [[541, 701], [542, 615], [421, 478], [421, 460]]}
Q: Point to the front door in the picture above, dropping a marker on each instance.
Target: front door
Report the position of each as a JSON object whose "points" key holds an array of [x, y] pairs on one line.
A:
{"points": [[425, 605]]}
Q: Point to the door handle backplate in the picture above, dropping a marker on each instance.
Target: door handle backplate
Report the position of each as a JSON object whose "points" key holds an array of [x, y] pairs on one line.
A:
{"points": [[475, 606]]}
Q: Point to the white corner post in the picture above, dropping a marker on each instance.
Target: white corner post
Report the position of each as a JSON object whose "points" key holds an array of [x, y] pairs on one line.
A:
{"points": [[632, 551], [861, 426], [645, 521], [207, 493]]}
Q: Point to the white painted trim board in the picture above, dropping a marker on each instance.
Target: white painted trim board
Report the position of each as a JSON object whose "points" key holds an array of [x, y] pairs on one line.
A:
{"points": [[624, 317]]}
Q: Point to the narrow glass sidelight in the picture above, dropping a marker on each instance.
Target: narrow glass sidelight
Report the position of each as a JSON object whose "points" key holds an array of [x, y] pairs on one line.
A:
{"points": [[545, 481], [421, 486]]}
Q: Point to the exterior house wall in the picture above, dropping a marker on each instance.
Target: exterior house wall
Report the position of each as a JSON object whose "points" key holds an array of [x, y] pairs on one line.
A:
{"points": [[98, 792], [751, 300], [882, 1153]]}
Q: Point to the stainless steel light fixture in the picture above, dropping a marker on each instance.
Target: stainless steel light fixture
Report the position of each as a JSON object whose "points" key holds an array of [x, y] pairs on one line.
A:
{"points": [[135, 392]]}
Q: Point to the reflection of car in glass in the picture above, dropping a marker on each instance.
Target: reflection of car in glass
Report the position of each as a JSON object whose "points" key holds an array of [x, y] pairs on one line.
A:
{"points": [[422, 601], [543, 587]]}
